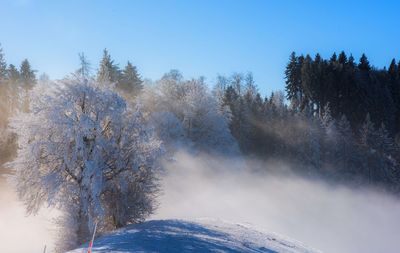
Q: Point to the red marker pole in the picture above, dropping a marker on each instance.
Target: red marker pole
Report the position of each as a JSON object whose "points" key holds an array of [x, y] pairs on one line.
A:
{"points": [[91, 241]]}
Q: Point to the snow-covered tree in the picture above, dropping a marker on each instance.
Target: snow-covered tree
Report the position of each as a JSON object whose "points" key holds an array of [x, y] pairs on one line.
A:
{"points": [[250, 86], [84, 151], [220, 87], [195, 114], [109, 72], [84, 67], [380, 154], [345, 151]]}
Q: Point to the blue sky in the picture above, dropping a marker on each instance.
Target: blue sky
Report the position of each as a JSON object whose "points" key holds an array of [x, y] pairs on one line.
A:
{"points": [[198, 37]]}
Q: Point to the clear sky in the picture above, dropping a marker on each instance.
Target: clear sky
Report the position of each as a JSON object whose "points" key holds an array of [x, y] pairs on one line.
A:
{"points": [[198, 37]]}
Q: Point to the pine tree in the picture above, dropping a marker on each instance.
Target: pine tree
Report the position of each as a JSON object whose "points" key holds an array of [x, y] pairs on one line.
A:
{"points": [[346, 150], [364, 63], [13, 74], [235, 104], [84, 68], [328, 123], [130, 81], [27, 75], [3, 65], [368, 139], [393, 71], [318, 95], [342, 58], [310, 154], [333, 58], [385, 166], [307, 82], [292, 76], [384, 143], [350, 62], [394, 87], [108, 71], [367, 131]]}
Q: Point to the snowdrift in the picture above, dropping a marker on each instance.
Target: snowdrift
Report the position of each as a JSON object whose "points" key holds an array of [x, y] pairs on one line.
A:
{"points": [[193, 236]]}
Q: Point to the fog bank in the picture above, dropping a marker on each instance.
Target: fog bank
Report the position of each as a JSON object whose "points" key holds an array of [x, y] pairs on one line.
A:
{"points": [[20, 233], [331, 219]]}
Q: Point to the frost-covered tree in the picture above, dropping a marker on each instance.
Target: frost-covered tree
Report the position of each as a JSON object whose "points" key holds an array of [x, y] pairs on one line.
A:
{"points": [[201, 118], [84, 151], [250, 86], [109, 72], [345, 153], [190, 111], [220, 87], [84, 67], [328, 124]]}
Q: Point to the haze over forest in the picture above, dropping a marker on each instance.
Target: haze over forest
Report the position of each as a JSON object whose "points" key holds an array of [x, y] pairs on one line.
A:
{"points": [[299, 140]]}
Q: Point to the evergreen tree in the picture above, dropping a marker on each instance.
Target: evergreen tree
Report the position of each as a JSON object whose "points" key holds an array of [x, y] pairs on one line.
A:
{"points": [[13, 74], [3, 65], [342, 58], [384, 143], [130, 80], [84, 67], [328, 123], [27, 75], [294, 91], [238, 124], [318, 94], [394, 87], [364, 63], [368, 139], [307, 82], [347, 152], [393, 71], [310, 154], [350, 62], [108, 71], [333, 58]]}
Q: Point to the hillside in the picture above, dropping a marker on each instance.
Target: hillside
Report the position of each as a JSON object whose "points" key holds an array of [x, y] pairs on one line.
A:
{"points": [[193, 236]]}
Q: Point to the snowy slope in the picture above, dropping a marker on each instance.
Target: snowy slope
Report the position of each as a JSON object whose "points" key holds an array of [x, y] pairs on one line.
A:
{"points": [[193, 236]]}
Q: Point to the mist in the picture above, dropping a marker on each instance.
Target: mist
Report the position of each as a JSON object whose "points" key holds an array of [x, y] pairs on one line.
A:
{"points": [[20, 233], [326, 217]]}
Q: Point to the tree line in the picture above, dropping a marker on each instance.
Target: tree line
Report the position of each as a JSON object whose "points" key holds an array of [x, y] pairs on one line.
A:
{"points": [[337, 120], [349, 88]]}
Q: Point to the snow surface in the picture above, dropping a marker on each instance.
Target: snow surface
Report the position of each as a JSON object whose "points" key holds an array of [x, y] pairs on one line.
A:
{"points": [[193, 236]]}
